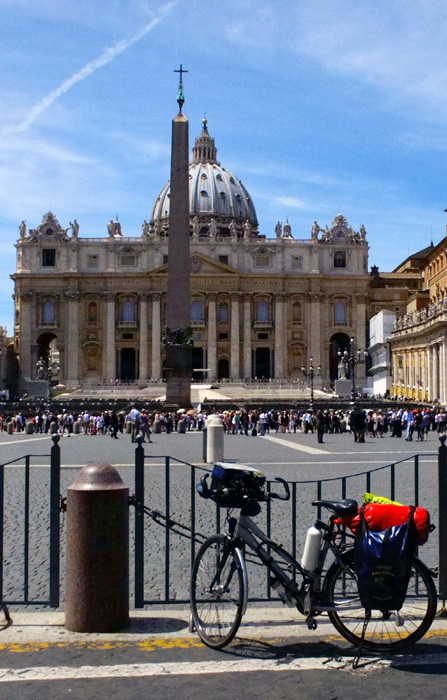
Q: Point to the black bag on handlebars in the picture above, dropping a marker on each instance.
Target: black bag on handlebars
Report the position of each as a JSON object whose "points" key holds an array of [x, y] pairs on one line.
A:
{"points": [[234, 486]]}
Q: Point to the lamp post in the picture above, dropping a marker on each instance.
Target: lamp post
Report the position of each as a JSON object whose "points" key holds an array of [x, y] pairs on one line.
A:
{"points": [[311, 372], [350, 359]]}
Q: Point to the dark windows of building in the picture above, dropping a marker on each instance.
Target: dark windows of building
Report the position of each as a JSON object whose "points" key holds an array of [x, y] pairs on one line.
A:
{"points": [[128, 312], [340, 259], [196, 310], [223, 336], [49, 257], [223, 259], [48, 313], [262, 312], [340, 316], [223, 312]]}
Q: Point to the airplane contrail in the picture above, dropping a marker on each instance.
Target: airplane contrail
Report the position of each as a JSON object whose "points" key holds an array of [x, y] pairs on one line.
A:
{"points": [[102, 60]]}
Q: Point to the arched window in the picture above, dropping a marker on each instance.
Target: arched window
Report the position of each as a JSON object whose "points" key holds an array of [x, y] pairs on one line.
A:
{"points": [[128, 311], [48, 312], [197, 310], [340, 258], [262, 311], [223, 312], [297, 313], [340, 317], [92, 312]]}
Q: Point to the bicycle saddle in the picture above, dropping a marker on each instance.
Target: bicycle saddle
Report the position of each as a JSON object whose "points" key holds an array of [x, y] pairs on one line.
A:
{"points": [[345, 507]]}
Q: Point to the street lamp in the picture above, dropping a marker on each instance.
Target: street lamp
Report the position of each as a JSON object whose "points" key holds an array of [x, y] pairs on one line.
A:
{"points": [[350, 359], [311, 372]]}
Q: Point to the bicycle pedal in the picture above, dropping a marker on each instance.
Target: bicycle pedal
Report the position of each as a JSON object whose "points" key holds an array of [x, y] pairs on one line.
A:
{"points": [[311, 623]]}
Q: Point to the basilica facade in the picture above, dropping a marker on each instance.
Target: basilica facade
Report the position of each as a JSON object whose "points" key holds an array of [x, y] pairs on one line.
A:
{"points": [[262, 303]]}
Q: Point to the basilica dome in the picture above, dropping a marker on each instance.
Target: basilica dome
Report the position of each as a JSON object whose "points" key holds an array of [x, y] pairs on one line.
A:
{"points": [[216, 197]]}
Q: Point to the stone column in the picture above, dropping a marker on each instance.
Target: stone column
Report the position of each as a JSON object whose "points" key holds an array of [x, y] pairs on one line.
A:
{"points": [[144, 337], [72, 339], [212, 338], [234, 356], [435, 395], [25, 315], [443, 382], [110, 337], [314, 327], [247, 337], [279, 336], [156, 335]]}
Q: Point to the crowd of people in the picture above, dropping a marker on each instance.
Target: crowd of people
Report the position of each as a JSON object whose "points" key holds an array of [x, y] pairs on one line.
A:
{"points": [[412, 423]]}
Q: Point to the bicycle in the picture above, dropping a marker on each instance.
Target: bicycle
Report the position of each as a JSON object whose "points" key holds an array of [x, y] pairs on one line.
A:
{"points": [[219, 582]]}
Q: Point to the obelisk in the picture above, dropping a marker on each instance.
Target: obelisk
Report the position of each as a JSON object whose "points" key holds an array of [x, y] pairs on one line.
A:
{"points": [[178, 336]]}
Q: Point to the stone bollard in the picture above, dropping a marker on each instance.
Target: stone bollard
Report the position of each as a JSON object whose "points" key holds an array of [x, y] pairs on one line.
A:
{"points": [[181, 426], [76, 428], [97, 588], [29, 428], [53, 427], [342, 425], [214, 441], [129, 426], [156, 427], [10, 428]]}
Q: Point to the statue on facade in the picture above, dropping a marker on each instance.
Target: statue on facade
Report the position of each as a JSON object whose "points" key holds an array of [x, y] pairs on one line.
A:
{"points": [[195, 226], [114, 228], [145, 228], [278, 230], [287, 230], [362, 233], [213, 228], [315, 231], [22, 229], [233, 229], [157, 227], [247, 229], [41, 367], [74, 228]]}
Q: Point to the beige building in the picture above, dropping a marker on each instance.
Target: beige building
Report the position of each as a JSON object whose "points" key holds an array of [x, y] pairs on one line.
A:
{"points": [[419, 338], [261, 307]]}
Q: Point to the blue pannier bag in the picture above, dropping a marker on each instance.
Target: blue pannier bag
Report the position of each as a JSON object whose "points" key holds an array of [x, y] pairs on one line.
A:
{"points": [[383, 564]]}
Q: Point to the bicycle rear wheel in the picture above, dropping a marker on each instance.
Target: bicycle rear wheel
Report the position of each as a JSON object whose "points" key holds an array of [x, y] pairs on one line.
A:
{"points": [[390, 632], [217, 591]]}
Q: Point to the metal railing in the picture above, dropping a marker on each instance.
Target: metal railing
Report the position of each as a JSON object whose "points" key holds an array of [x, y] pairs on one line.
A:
{"points": [[23, 563], [400, 477]]}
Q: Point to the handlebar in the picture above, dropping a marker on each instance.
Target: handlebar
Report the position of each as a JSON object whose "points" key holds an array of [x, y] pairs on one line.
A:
{"points": [[286, 497]]}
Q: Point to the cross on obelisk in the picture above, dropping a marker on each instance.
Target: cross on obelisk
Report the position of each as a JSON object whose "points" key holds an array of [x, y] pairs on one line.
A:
{"points": [[180, 97], [178, 336]]}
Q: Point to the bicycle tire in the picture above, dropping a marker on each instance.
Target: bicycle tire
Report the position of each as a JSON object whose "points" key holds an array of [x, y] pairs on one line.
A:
{"points": [[385, 633], [217, 611]]}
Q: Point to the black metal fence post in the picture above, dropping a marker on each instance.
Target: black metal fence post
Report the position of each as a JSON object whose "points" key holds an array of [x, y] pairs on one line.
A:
{"points": [[139, 523], [204, 434], [442, 524], [55, 492]]}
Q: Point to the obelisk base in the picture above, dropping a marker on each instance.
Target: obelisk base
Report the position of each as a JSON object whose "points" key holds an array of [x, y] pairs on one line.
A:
{"points": [[178, 377]]}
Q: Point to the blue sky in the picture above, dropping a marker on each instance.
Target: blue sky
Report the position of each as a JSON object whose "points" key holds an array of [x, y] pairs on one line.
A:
{"points": [[319, 107]]}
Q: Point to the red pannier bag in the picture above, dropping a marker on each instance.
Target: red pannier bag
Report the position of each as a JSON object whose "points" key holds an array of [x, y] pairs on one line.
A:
{"points": [[381, 516]]}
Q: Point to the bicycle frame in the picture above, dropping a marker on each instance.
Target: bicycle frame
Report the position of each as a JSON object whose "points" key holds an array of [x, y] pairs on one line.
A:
{"points": [[246, 533]]}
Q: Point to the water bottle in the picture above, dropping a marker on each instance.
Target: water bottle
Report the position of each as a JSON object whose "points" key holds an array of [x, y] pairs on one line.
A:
{"points": [[311, 554]]}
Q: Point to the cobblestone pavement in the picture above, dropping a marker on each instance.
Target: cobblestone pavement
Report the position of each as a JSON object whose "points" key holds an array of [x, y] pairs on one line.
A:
{"points": [[295, 457]]}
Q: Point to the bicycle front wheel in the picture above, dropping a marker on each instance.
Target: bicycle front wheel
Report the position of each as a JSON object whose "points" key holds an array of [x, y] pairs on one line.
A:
{"points": [[386, 632], [217, 591]]}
